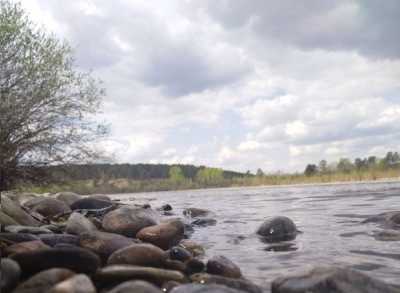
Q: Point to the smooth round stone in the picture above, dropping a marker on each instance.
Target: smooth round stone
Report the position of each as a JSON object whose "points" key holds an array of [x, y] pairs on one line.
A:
{"points": [[18, 237], [68, 197], [55, 239], [278, 229], [166, 207], [199, 288], [238, 284], [104, 243], [194, 248], [140, 255], [28, 246], [120, 273], [129, 221], [10, 273], [331, 279], [76, 259], [175, 265], [6, 220], [78, 224], [89, 203], [76, 284], [43, 281], [26, 229], [195, 212], [194, 266], [50, 207], [164, 235], [136, 287], [179, 253], [14, 211], [220, 265]]}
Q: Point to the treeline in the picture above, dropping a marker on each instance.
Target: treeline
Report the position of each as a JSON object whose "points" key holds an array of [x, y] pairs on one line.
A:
{"points": [[345, 165]]}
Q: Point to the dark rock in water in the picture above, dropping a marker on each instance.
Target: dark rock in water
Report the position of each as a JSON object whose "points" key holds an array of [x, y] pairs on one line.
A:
{"points": [[239, 284], [140, 255], [6, 220], [283, 246], [14, 211], [278, 229], [194, 248], [68, 197], [220, 265], [104, 243], [199, 288], [195, 212], [78, 224], [10, 273], [18, 237], [194, 266], [54, 239], [89, 203], [26, 229], [168, 286], [129, 221], [137, 287], [76, 284], [179, 253], [120, 273], [164, 235], [44, 281], [389, 220], [166, 207], [76, 259], [204, 222], [49, 207], [387, 235], [335, 280], [25, 247]]}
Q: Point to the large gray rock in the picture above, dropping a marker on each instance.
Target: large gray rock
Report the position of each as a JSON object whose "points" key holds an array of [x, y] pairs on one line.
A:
{"points": [[278, 229], [164, 235], [49, 207], [136, 287], [68, 197], [76, 284], [78, 224], [388, 219], [129, 221], [198, 288], [14, 211], [10, 274], [220, 265], [140, 255], [44, 281], [6, 220], [238, 284], [331, 280]]}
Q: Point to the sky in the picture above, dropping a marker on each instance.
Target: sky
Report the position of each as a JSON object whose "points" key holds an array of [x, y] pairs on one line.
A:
{"points": [[238, 84]]}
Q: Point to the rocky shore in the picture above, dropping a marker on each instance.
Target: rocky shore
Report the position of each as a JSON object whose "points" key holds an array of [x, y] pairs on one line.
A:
{"points": [[67, 243]]}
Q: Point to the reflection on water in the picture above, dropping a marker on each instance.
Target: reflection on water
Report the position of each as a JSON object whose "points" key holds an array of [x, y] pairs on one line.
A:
{"points": [[329, 217]]}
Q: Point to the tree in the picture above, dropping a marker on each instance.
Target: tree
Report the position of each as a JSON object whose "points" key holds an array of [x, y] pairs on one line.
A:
{"points": [[323, 166], [47, 107], [210, 176], [311, 169], [345, 165], [176, 174], [260, 172]]}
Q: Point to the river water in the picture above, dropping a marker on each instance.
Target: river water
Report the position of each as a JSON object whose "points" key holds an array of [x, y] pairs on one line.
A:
{"points": [[328, 215]]}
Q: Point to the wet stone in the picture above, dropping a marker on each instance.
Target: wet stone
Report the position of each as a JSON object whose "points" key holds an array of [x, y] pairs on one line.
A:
{"points": [[14, 211], [140, 255], [90, 203], [204, 222], [220, 265], [278, 229], [10, 273], [78, 224], [76, 284], [238, 284], [179, 253], [68, 197], [194, 248], [199, 288], [50, 207], [164, 235], [6, 220], [18, 237], [136, 286], [195, 212], [26, 229], [194, 266], [25, 247], [54, 239]]}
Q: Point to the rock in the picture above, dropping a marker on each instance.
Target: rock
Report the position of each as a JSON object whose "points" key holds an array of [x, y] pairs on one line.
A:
{"points": [[76, 284], [136, 286], [168, 286], [175, 265], [120, 273], [129, 221], [89, 203], [78, 224], [55, 228], [387, 235], [194, 266], [100, 196], [55, 239], [27, 229], [220, 265], [10, 273], [204, 222], [18, 237], [15, 212], [238, 284], [199, 288], [166, 207], [195, 212], [140, 255], [164, 235], [76, 259], [278, 229], [68, 197], [104, 243], [28, 246], [330, 279], [194, 248], [6, 220], [179, 253], [43, 281], [388, 220], [49, 207]]}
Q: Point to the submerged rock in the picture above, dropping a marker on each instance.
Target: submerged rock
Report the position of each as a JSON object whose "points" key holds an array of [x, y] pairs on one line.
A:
{"points": [[49, 207], [90, 203], [78, 224], [129, 221], [239, 284], [180, 253], [76, 284], [10, 273], [331, 279], [278, 229], [164, 235], [204, 222], [194, 248], [220, 265], [14, 211], [140, 255], [387, 235], [44, 281], [136, 286], [389, 220], [195, 212], [199, 288]]}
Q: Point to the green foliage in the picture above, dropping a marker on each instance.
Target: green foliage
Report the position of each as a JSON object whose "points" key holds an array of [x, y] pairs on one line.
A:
{"points": [[209, 175], [176, 174], [311, 169]]}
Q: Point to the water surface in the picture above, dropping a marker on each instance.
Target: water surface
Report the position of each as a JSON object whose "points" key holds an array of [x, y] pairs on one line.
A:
{"points": [[329, 217]]}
